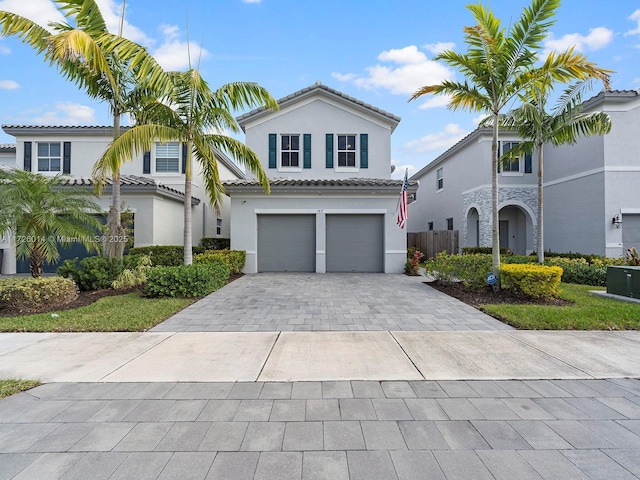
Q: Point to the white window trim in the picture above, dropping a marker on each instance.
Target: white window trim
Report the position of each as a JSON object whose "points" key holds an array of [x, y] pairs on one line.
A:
{"points": [[441, 169], [520, 172], [36, 168], [356, 167], [155, 161], [300, 153]]}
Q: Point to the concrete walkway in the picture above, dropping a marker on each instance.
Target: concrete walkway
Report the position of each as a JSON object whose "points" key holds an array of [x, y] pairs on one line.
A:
{"points": [[483, 402]]}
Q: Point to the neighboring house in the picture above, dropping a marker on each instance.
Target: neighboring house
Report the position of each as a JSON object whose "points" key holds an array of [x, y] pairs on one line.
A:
{"points": [[586, 187], [152, 184], [332, 206]]}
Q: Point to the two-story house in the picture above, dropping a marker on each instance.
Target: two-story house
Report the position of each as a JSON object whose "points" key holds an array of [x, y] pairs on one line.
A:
{"points": [[591, 196], [333, 204], [152, 184]]}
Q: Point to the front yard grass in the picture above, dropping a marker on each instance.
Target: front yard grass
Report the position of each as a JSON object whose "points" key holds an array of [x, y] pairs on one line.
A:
{"points": [[120, 313], [588, 312], [11, 387]]}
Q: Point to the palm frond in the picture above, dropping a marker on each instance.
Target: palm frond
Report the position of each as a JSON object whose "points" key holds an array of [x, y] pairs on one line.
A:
{"points": [[26, 30]]}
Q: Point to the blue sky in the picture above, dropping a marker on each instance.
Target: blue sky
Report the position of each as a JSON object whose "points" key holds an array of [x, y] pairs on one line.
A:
{"points": [[378, 51]]}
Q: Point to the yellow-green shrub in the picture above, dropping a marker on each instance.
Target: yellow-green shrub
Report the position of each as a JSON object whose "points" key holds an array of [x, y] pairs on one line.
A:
{"points": [[130, 278], [235, 259], [531, 280], [34, 294]]}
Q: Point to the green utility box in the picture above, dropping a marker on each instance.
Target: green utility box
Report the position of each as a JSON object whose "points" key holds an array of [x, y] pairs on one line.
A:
{"points": [[624, 281]]}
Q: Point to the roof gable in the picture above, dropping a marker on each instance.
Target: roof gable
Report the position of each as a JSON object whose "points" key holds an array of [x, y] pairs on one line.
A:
{"points": [[318, 89]]}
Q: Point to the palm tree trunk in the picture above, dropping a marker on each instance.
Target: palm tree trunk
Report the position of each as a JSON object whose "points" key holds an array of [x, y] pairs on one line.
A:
{"points": [[114, 242], [540, 226], [188, 258], [495, 215], [36, 260]]}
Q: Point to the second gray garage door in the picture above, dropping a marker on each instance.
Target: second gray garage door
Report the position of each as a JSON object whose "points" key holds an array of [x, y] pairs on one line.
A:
{"points": [[286, 243], [631, 231], [355, 243]]}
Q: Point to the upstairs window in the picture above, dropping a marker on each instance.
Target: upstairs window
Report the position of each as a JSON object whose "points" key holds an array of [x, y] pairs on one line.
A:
{"points": [[449, 223], [168, 157], [511, 165], [440, 179], [49, 157], [218, 226], [347, 151], [290, 151]]}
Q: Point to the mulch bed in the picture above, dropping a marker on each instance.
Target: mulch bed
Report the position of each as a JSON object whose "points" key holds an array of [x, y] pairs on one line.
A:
{"points": [[488, 295]]}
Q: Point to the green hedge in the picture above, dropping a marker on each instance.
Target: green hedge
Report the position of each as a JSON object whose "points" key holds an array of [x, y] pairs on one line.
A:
{"points": [[537, 281], [235, 259], [165, 255], [214, 243], [34, 294], [195, 280], [484, 251], [471, 269]]}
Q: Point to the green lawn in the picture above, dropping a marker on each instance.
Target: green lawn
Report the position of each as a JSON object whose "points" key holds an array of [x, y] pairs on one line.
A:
{"points": [[121, 313], [589, 312], [11, 387]]}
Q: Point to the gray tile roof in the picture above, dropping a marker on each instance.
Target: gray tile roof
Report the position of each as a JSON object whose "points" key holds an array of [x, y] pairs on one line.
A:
{"points": [[7, 147], [319, 87], [312, 185], [132, 183]]}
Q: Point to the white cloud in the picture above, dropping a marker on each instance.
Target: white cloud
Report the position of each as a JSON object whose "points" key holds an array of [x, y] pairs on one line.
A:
{"points": [[398, 173], [447, 137], [597, 38], [439, 47], [635, 16], [410, 70], [67, 113], [174, 53], [479, 118], [112, 14], [8, 85], [434, 101], [4, 50], [39, 11]]}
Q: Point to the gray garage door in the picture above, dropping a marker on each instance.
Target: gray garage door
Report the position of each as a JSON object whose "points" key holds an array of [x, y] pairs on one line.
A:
{"points": [[355, 243], [631, 231], [286, 243]]}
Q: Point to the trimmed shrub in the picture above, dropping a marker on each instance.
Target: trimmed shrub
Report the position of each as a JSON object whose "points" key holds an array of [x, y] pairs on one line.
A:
{"points": [[537, 281], [213, 243], [165, 255], [235, 259], [412, 267], [135, 277], [578, 270], [484, 251], [526, 259], [92, 273], [36, 294], [470, 269], [195, 280]]}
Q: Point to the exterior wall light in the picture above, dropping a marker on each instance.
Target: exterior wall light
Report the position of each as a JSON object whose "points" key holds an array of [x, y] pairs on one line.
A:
{"points": [[617, 220]]}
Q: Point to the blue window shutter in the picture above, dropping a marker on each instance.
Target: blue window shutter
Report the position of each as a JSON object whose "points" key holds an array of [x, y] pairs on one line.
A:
{"points": [[329, 150], [146, 162], [273, 141], [66, 157], [27, 156], [499, 163], [527, 163], [364, 150], [307, 150], [184, 158]]}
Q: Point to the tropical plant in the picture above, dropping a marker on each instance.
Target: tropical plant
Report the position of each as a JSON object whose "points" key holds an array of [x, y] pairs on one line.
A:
{"points": [[498, 66], [109, 67], [187, 115], [42, 213], [564, 124]]}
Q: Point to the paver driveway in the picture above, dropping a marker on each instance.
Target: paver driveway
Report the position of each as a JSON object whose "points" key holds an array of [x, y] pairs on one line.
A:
{"points": [[328, 302]]}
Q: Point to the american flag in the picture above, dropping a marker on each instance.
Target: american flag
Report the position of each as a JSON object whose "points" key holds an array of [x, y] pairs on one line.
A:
{"points": [[402, 213]]}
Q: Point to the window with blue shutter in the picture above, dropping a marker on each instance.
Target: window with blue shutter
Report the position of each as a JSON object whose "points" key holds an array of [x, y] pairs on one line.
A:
{"points": [[184, 158], [306, 154], [273, 143], [329, 150], [66, 157], [146, 162], [527, 163], [364, 150], [27, 156]]}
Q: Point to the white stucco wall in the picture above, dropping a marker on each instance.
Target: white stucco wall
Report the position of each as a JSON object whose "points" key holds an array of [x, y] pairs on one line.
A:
{"points": [[247, 207]]}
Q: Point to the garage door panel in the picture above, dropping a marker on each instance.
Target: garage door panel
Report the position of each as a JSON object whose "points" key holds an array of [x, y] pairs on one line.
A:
{"points": [[286, 243], [631, 231], [355, 243]]}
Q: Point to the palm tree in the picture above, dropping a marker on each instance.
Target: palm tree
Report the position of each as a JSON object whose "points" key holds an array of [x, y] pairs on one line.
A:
{"points": [[187, 115], [565, 124], [42, 212], [109, 67], [498, 66]]}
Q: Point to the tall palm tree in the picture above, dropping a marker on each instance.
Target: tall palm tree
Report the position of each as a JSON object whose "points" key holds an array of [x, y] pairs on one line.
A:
{"points": [[500, 65], [187, 115], [43, 213], [107, 66], [564, 124]]}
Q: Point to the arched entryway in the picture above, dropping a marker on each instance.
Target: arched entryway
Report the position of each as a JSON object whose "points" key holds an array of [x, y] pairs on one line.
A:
{"points": [[473, 228], [516, 229]]}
